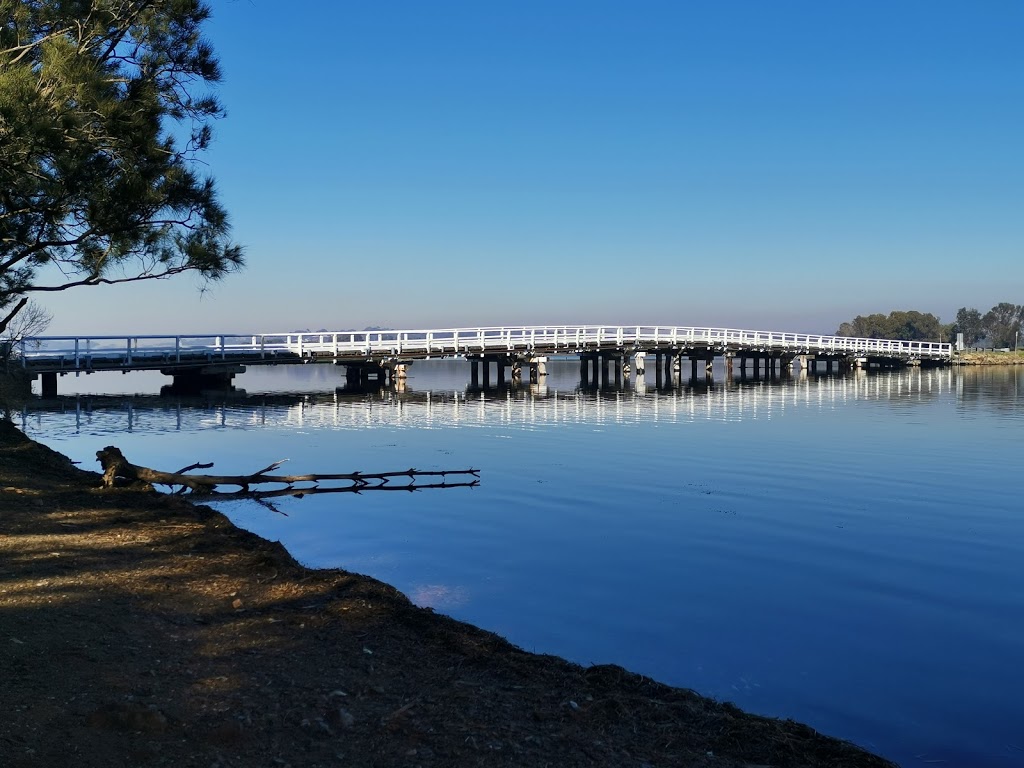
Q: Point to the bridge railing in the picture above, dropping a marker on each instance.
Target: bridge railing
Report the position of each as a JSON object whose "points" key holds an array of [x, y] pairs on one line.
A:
{"points": [[78, 351], [569, 338], [81, 352]]}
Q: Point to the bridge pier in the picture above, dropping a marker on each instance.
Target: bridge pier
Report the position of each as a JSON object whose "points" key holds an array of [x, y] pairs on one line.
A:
{"points": [[383, 373], [199, 378], [585, 370], [667, 364], [599, 369], [590, 369], [538, 369], [360, 375], [48, 384], [501, 362]]}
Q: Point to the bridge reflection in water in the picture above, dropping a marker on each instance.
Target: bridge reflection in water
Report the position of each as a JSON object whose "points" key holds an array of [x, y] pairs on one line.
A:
{"points": [[401, 405]]}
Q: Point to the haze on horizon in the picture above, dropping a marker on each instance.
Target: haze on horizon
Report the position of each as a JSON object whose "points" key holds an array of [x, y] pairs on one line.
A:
{"points": [[783, 166]]}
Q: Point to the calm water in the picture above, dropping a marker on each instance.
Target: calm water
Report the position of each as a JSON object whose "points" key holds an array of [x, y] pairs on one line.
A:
{"points": [[845, 551]]}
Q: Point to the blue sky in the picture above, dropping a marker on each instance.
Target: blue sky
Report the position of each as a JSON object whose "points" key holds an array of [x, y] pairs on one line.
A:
{"points": [[747, 163]]}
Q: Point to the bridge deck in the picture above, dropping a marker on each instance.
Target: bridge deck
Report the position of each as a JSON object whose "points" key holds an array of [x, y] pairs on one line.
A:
{"points": [[64, 354]]}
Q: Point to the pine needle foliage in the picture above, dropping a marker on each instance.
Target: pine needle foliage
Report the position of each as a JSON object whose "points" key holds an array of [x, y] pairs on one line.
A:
{"points": [[105, 109]]}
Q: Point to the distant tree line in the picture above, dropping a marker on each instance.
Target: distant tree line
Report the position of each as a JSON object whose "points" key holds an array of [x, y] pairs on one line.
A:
{"points": [[999, 327], [913, 326]]}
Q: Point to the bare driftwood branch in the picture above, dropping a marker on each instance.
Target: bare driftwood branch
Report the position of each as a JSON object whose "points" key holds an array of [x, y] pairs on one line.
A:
{"points": [[264, 497], [117, 470]]}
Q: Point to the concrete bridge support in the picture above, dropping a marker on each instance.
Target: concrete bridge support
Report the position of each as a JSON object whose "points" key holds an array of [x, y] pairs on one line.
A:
{"points": [[585, 370], [701, 366], [600, 369], [383, 373], [48, 384], [753, 362], [640, 372], [667, 364], [607, 367], [202, 378], [538, 369], [500, 362], [590, 369], [361, 374]]}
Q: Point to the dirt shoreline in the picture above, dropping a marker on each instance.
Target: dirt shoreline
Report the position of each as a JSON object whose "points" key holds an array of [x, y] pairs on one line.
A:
{"points": [[140, 630], [988, 358]]}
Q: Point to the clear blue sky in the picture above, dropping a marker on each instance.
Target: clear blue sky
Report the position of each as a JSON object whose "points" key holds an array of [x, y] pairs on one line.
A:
{"points": [[759, 163]]}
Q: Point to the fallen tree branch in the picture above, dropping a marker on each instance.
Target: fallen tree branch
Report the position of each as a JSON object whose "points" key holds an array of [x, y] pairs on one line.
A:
{"points": [[117, 470], [300, 492], [190, 467], [263, 497]]}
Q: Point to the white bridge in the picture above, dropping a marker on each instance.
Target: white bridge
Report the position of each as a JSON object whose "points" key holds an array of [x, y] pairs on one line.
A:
{"points": [[387, 352]]}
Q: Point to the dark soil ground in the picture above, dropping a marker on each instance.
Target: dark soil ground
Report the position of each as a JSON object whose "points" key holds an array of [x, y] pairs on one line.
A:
{"points": [[139, 630]]}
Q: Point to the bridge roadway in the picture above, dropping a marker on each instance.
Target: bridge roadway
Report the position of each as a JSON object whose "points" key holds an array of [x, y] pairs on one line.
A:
{"points": [[207, 359]]}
